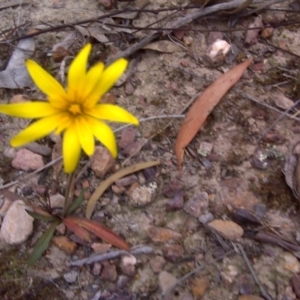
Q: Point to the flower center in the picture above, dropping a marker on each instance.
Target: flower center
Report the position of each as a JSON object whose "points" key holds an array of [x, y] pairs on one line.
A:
{"points": [[75, 109]]}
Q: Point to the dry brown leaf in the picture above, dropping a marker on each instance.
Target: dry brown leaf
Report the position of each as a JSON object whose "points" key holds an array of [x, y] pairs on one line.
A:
{"points": [[204, 105], [110, 180]]}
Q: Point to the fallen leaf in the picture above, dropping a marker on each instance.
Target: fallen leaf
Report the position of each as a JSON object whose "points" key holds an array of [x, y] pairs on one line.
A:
{"points": [[77, 229], [100, 231], [110, 180], [15, 76], [204, 105]]}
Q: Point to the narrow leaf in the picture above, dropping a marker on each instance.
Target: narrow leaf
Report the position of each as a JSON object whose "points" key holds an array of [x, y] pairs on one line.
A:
{"points": [[101, 231], [204, 105], [110, 180], [77, 229], [43, 242], [40, 216], [75, 204]]}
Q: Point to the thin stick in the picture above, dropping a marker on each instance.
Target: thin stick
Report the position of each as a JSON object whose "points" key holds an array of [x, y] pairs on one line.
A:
{"points": [[262, 290]]}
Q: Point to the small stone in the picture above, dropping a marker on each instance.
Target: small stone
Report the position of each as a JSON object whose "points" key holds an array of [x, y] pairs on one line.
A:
{"points": [[173, 252], [162, 235], [157, 263], [267, 32], [290, 262], [41, 190], [132, 149], [10, 152], [176, 202], [205, 149], [246, 289], [100, 247], [17, 224], [143, 195], [123, 281], [61, 228], [27, 160], [102, 161], [39, 149], [199, 287], [64, 244], [71, 276], [165, 281], [282, 101], [197, 205], [249, 297], [57, 201], [27, 190], [205, 218], [227, 229], [125, 181], [229, 275], [127, 265], [109, 272], [217, 51], [118, 190], [129, 89], [127, 137], [97, 267], [171, 189]]}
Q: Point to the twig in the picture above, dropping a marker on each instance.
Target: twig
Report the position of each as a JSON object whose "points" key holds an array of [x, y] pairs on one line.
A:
{"points": [[180, 281], [51, 163], [111, 255], [262, 290]]}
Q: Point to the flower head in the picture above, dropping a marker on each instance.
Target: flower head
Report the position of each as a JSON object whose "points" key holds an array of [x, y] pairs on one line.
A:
{"points": [[75, 111]]}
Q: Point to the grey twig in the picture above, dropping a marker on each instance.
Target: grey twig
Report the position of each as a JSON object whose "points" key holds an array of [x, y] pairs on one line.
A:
{"points": [[262, 290], [111, 255]]}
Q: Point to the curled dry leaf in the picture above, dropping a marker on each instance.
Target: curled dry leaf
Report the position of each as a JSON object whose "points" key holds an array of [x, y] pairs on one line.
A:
{"points": [[203, 106]]}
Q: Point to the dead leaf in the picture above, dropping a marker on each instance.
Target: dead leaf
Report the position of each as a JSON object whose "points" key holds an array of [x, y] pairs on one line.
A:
{"points": [[15, 75], [100, 231], [110, 180], [77, 229], [203, 106], [164, 46]]}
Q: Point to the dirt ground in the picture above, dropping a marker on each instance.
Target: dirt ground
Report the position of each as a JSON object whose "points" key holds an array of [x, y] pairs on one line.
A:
{"points": [[232, 169]]}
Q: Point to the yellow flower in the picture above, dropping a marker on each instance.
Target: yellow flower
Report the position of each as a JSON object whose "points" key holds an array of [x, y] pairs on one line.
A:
{"points": [[74, 111]]}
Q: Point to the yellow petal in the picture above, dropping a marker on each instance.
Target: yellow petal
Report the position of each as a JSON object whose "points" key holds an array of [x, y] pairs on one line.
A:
{"points": [[46, 83], [28, 110], [108, 78], [114, 113], [104, 134], [35, 131], [93, 77], [71, 149], [85, 135], [77, 73]]}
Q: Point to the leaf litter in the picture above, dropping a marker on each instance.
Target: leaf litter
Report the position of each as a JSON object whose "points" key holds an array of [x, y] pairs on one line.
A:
{"points": [[162, 84]]}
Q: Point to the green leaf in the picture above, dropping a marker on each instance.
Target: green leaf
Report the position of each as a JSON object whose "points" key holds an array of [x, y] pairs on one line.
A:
{"points": [[43, 242], [75, 204], [40, 216]]}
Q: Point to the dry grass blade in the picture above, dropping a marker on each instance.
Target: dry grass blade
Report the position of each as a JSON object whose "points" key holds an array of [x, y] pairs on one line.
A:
{"points": [[203, 106], [110, 180], [100, 231]]}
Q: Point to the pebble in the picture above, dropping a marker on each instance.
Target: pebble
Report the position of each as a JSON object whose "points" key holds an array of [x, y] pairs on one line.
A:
{"points": [[57, 201], [157, 263], [199, 287], [173, 252], [282, 101], [100, 247], [132, 149], [205, 149], [227, 229], [65, 244], [205, 218], [127, 265], [127, 137], [96, 270], [102, 161], [109, 272], [162, 235], [125, 181], [27, 160], [197, 205], [165, 281], [17, 224], [71, 276], [176, 202], [143, 195], [290, 262]]}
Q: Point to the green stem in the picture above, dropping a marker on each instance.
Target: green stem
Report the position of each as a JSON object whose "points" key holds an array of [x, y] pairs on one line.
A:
{"points": [[69, 192]]}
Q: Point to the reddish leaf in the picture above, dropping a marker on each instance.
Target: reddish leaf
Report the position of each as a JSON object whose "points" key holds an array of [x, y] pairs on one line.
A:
{"points": [[203, 106], [101, 231], [77, 229]]}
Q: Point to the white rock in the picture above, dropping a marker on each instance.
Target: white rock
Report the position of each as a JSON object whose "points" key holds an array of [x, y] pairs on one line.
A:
{"points": [[218, 48], [143, 195], [57, 201], [17, 224], [165, 281]]}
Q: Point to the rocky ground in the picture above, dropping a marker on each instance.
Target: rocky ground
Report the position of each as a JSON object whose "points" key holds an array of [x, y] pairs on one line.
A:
{"points": [[227, 225]]}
